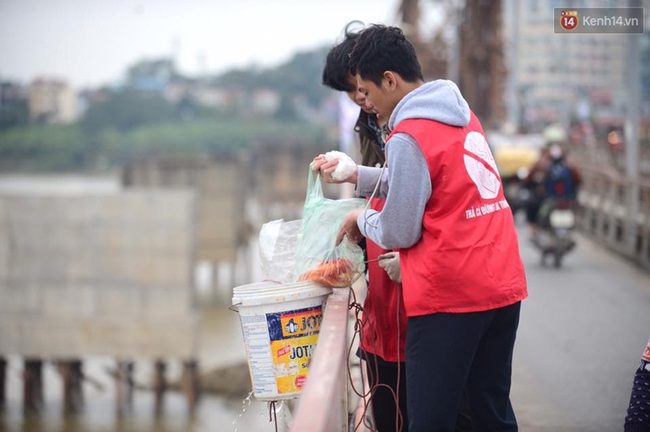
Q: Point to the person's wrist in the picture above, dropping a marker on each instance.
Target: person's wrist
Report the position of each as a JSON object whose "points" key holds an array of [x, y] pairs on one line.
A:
{"points": [[354, 176]]}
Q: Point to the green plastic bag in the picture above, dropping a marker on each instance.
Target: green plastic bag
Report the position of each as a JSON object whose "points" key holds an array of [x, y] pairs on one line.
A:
{"points": [[321, 221]]}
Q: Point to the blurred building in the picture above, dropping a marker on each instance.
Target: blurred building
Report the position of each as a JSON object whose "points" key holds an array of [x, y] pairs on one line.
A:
{"points": [[52, 101], [644, 100], [556, 77], [266, 101], [152, 75], [13, 105], [11, 93]]}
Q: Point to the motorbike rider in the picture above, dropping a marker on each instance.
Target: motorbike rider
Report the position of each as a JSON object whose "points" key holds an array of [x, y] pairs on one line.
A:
{"points": [[561, 181], [545, 188]]}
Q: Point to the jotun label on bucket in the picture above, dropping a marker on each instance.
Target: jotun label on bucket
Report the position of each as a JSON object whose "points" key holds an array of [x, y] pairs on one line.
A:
{"points": [[293, 337]]}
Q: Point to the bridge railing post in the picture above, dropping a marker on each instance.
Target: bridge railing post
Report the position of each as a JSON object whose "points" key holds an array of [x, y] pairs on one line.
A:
{"points": [[323, 403]]}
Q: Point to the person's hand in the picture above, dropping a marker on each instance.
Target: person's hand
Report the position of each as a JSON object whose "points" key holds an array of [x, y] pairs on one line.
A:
{"points": [[350, 229], [390, 263], [326, 168]]}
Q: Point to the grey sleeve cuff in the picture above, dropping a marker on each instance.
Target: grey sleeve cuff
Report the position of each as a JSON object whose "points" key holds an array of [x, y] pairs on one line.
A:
{"points": [[367, 220], [366, 181]]}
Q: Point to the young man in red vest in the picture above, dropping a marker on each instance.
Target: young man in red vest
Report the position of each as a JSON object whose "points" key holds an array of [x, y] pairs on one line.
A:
{"points": [[446, 215]]}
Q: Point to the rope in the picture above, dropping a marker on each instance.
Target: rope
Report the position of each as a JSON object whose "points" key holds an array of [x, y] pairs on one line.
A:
{"points": [[359, 324], [273, 415]]}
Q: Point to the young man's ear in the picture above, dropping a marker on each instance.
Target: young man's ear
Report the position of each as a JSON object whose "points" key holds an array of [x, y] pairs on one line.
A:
{"points": [[391, 79]]}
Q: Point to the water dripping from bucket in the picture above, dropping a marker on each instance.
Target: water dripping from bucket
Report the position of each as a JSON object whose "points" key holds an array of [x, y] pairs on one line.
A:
{"points": [[245, 404]]}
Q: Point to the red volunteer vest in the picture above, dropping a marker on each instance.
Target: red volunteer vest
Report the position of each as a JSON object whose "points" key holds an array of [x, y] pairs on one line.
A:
{"points": [[467, 259], [384, 319]]}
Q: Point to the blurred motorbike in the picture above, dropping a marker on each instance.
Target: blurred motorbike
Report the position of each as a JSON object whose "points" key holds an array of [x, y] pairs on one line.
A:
{"points": [[554, 239]]}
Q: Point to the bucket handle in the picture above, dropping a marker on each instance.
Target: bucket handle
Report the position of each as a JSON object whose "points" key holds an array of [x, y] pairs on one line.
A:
{"points": [[235, 307]]}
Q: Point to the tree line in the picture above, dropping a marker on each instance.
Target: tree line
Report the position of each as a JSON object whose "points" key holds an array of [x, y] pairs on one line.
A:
{"points": [[129, 123]]}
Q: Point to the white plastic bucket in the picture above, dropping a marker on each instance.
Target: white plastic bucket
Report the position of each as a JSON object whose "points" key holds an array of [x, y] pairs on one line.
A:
{"points": [[280, 325]]}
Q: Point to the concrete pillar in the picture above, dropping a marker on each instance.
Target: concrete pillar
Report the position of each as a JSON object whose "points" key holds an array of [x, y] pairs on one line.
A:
{"points": [[3, 377], [216, 284], [159, 385], [72, 375], [124, 387], [191, 383], [632, 144], [32, 385]]}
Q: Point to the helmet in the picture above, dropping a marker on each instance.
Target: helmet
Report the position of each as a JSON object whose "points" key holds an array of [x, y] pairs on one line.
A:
{"points": [[554, 134]]}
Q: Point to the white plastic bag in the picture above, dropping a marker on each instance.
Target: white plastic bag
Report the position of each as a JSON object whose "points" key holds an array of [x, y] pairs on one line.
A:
{"points": [[277, 243]]}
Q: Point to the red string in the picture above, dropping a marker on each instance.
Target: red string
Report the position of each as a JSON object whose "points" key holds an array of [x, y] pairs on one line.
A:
{"points": [[360, 326]]}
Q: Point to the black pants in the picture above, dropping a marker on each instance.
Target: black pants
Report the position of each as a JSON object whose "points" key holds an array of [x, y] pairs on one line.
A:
{"points": [[448, 353], [383, 378]]}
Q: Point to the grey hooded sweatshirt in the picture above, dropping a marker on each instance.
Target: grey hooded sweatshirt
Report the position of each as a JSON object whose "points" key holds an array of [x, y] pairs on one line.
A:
{"points": [[405, 181]]}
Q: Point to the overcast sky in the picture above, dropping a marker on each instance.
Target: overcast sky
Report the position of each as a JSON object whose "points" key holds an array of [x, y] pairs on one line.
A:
{"points": [[92, 42]]}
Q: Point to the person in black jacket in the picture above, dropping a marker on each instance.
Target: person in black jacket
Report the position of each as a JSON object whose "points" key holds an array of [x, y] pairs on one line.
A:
{"points": [[337, 76], [638, 412], [387, 378]]}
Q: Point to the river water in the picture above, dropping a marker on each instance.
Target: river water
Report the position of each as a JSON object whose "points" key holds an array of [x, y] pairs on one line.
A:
{"points": [[221, 345]]}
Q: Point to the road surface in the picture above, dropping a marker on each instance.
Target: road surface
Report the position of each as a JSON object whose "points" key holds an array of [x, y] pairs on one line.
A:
{"points": [[582, 331]]}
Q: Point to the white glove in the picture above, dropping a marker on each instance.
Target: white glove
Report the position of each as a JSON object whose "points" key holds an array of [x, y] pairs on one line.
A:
{"points": [[390, 263], [346, 165]]}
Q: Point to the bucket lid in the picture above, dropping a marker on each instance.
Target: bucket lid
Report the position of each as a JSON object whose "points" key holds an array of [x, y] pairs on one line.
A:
{"points": [[271, 292], [256, 286]]}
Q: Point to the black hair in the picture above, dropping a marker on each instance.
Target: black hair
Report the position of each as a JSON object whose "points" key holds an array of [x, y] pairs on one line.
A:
{"points": [[380, 48], [337, 63]]}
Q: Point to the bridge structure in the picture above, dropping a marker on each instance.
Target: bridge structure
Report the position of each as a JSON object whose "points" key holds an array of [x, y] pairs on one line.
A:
{"points": [[107, 267], [108, 258]]}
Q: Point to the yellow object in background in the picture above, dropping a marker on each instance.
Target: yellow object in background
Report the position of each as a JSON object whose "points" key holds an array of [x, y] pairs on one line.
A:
{"points": [[513, 152], [511, 159]]}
